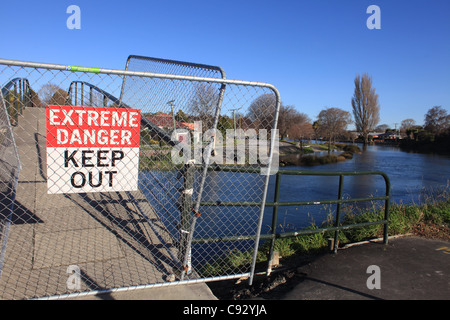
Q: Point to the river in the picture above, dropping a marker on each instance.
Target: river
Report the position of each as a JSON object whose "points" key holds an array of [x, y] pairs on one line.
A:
{"points": [[413, 177]]}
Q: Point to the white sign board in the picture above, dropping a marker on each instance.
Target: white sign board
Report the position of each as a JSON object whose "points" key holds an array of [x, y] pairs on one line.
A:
{"points": [[92, 149]]}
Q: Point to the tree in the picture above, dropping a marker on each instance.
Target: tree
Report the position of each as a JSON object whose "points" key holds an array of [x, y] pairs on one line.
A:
{"points": [[59, 98], [203, 104], [182, 116], [316, 129], [35, 101], [366, 108], [225, 123], [437, 120], [300, 131], [285, 120], [381, 128], [289, 117], [47, 92], [407, 124], [332, 122], [301, 128], [262, 111]]}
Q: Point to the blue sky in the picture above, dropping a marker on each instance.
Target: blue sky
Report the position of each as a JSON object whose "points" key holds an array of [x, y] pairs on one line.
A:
{"points": [[310, 50]]}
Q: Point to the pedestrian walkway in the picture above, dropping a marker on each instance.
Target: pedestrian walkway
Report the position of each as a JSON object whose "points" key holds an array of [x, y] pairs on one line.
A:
{"points": [[408, 268]]}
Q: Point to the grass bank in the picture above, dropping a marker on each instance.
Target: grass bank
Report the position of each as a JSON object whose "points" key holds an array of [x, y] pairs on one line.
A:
{"points": [[430, 219]]}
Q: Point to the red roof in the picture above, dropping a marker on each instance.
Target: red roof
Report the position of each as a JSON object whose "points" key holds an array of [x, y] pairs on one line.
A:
{"points": [[165, 120]]}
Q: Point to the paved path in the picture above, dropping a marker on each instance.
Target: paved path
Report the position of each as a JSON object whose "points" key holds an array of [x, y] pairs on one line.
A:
{"points": [[409, 268]]}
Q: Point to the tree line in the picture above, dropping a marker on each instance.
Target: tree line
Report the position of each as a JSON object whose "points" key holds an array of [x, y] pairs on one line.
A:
{"points": [[433, 136], [330, 124]]}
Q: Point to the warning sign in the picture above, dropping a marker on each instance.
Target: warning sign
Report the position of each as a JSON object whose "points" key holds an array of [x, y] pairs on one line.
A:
{"points": [[92, 149]]}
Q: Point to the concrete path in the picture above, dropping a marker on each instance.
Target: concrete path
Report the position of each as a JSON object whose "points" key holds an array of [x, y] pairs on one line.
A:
{"points": [[408, 268]]}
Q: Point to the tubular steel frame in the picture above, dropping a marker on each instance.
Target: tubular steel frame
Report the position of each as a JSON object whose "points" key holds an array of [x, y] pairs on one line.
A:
{"points": [[221, 81]]}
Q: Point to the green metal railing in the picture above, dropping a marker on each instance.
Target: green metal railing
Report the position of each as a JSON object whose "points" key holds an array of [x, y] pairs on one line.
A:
{"points": [[277, 203]]}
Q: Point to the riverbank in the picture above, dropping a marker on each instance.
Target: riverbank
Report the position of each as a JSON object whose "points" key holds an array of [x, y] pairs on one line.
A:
{"points": [[430, 220], [439, 147], [312, 154]]}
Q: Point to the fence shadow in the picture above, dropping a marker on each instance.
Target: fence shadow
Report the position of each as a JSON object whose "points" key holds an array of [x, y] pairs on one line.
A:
{"points": [[129, 226]]}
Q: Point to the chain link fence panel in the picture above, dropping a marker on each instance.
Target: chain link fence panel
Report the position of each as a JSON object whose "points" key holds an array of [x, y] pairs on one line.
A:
{"points": [[9, 168], [131, 206]]}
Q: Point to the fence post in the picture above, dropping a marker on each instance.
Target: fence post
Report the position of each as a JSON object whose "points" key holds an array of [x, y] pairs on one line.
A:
{"points": [[76, 94], [338, 213], [274, 221], [29, 95], [186, 209], [386, 208]]}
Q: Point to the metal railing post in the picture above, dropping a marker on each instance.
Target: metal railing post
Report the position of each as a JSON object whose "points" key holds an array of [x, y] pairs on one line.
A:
{"points": [[274, 221], [82, 94], [29, 102], [76, 94], [386, 208], [338, 213]]}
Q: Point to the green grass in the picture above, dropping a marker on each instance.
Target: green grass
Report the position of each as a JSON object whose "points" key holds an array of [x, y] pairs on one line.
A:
{"points": [[160, 162]]}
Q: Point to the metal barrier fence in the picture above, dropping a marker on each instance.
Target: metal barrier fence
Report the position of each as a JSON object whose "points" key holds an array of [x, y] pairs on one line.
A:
{"points": [[107, 202], [276, 203]]}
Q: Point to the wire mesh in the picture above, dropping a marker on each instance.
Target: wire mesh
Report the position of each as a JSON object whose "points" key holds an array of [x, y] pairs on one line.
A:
{"points": [[9, 171], [85, 237]]}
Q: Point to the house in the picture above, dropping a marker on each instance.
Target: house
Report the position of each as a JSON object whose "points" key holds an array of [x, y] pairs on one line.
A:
{"points": [[389, 136], [162, 120], [166, 122]]}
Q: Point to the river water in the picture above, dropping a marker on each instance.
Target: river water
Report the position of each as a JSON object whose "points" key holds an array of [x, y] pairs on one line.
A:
{"points": [[413, 176]]}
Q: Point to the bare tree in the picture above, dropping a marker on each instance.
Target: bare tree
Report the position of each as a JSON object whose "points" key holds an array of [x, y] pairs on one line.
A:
{"points": [[301, 130], [366, 108], [289, 117], [204, 103], [47, 92], [437, 120], [332, 122], [285, 120], [262, 111], [407, 124]]}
